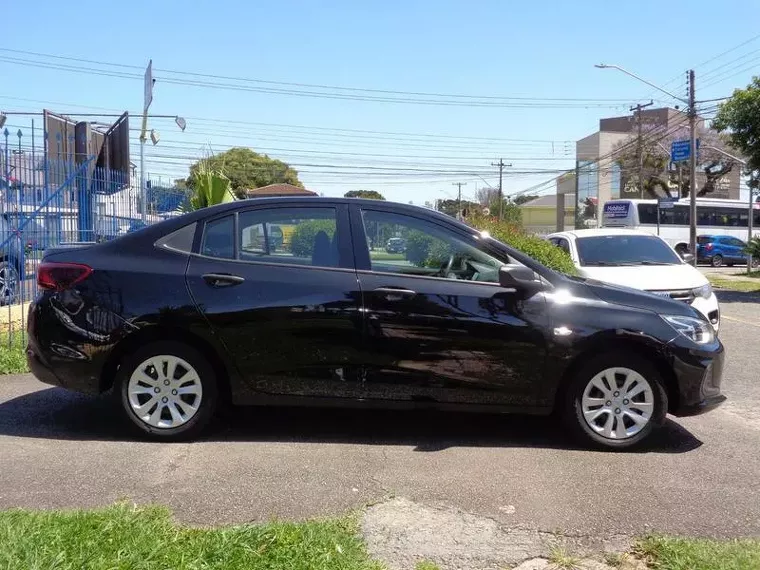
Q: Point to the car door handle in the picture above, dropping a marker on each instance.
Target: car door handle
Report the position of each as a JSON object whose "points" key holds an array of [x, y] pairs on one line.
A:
{"points": [[395, 294], [222, 279]]}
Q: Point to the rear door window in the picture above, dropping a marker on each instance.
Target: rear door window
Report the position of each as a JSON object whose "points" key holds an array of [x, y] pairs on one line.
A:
{"points": [[294, 236], [219, 238]]}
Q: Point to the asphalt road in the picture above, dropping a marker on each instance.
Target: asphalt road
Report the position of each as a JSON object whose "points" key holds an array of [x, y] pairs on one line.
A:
{"points": [[699, 476]]}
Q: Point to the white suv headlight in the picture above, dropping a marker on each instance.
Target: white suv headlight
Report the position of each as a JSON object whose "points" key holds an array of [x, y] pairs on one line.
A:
{"points": [[705, 291], [696, 330]]}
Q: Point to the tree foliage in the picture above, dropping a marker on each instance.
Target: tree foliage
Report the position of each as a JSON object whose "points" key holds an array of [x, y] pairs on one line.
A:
{"points": [[247, 169], [489, 198], [739, 119], [369, 194], [451, 207], [539, 249], [302, 240], [658, 178]]}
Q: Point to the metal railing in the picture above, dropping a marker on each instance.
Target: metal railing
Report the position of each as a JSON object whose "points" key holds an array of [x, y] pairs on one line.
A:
{"points": [[46, 201]]}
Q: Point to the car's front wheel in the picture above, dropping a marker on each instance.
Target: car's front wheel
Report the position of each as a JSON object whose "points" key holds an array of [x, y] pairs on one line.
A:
{"points": [[616, 401], [167, 390]]}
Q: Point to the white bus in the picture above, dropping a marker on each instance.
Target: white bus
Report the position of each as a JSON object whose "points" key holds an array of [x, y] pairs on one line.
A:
{"points": [[714, 217]]}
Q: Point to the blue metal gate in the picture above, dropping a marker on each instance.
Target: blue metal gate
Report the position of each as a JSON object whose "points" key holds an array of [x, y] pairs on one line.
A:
{"points": [[46, 201]]}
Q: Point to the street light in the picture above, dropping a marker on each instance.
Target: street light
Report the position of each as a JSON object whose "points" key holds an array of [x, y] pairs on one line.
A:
{"points": [[751, 203], [692, 106], [668, 93]]}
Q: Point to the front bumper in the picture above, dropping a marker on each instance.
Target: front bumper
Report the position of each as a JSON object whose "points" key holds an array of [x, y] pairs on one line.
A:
{"points": [[709, 308], [698, 373]]}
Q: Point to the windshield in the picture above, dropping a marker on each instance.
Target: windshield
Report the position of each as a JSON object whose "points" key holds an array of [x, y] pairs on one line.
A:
{"points": [[616, 250]]}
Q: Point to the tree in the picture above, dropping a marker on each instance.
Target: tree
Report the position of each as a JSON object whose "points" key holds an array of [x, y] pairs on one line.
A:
{"points": [[247, 169], [739, 119], [489, 198], [369, 194], [658, 179], [451, 207]]}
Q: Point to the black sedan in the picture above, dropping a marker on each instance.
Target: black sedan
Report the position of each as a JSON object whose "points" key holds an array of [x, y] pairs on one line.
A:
{"points": [[181, 316]]}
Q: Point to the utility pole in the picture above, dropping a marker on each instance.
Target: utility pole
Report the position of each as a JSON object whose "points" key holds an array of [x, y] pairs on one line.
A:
{"points": [[459, 198], [640, 146], [692, 169], [501, 166]]}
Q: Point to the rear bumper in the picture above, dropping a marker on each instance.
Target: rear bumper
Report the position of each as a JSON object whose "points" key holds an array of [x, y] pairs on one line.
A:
{"points": [[55, 360]]}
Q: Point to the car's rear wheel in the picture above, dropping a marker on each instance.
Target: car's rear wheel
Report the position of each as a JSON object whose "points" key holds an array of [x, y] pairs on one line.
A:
{"points": [[616, 401], [167, 390], [716, 260], [9, 283]]}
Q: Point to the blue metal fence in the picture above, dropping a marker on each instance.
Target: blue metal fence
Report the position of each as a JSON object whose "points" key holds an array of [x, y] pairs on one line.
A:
{"points": [[46, 201]]}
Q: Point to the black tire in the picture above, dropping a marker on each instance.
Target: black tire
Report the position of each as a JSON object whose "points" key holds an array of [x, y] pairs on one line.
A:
{"points": [[573, 410], [681, 249], [716, 260], [209, 399]]}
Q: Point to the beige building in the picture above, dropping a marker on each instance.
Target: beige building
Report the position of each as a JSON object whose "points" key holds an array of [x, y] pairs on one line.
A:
{"points": [[598, 178]]}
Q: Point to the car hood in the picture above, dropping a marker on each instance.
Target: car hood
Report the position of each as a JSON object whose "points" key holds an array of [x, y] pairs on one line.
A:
{"points": [[648, 277], [635, 298]]}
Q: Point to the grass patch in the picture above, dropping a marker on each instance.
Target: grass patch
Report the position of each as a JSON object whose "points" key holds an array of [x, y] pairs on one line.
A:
{"points": [[12, 354], [425, 565], [745, 286], [560, 559], [378, 255], [667, 553], [123, 537]]}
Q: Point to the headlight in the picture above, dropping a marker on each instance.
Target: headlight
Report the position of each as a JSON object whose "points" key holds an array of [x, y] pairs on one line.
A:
{"points": [[704, 291], [694, 329]]}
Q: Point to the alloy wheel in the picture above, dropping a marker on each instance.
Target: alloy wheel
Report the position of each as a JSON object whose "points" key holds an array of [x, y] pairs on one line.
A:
{"points": [[8, 282], [617, 403], [165, 391]]}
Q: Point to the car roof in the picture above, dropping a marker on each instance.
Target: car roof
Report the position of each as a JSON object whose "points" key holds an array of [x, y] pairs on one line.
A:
{"points": [[601, 232], [155, 231]]}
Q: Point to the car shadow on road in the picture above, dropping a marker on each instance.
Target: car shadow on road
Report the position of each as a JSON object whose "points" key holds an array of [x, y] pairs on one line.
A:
{"points": [[54, 413]]}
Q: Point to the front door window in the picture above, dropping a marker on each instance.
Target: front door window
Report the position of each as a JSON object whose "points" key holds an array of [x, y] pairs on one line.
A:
{"points": [[410, 246]]}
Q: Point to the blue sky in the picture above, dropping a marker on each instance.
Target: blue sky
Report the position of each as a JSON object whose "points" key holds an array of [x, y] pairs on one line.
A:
{"points": [[489, 48]]}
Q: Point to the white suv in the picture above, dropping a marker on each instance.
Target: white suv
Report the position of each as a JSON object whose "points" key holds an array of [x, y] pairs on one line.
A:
{"points": [[641, 260]]}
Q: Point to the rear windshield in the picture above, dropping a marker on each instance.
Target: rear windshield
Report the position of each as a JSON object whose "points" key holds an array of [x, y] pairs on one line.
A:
{"points": [[704, 239], [625, 250]]}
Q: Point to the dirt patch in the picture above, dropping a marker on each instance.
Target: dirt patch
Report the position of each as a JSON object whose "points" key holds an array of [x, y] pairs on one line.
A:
{"points": [[402, 533], [13, 317]]}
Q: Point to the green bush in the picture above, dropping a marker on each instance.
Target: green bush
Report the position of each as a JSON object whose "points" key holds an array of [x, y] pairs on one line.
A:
{"points": [[424, 250], [302, 240], [533, 246]]}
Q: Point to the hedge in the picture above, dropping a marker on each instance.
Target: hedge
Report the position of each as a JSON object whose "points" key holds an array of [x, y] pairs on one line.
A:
{"points": [[539, 249]]}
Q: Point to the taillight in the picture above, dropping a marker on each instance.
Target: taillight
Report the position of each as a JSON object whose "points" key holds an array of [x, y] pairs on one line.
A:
{"points": [[709, 246], [54, 276]]}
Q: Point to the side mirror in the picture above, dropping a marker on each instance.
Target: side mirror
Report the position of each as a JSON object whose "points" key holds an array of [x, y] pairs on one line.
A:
{"points": [[687, 257], [520, 278]]}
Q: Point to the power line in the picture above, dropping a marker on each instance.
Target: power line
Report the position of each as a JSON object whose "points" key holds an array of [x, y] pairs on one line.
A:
{"points": [[314, 86]]}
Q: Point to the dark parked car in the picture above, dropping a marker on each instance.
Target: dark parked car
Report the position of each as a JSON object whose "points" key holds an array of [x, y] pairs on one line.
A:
{"points": [[395, 245], [722, 250], [180, 316]]}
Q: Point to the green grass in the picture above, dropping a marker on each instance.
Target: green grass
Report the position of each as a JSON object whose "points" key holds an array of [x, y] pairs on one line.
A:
{"points": [[12, 354], [123, 537], [746, 286], [378, 255], [560, 559], [667, 553], [425, 565]]}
